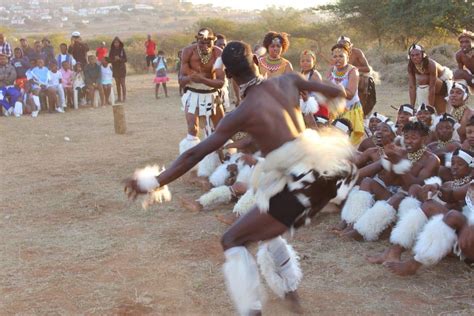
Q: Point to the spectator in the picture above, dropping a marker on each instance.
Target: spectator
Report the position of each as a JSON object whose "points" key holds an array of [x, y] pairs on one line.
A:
{"points": [[67, 76], [39, 53], [118, 58], [106, 78], [64, 56], [32, 91], [48, 51], [21, 64], [161, 76], [5, 47], [79, 84], [150, 47], [78, 49], [92, 80], [101, 52], [40, 77], [7, 72], [55, 83], [28, 51]]}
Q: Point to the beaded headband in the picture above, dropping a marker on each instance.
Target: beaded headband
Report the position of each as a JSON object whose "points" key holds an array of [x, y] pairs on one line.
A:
{"points": [[428, 108], [308, 52], [343, 127], [407, 109], [465, 156], [276, 40], [462, 87], [466, 33], [378, 116], [321, 119], [345, 39], [447, 118]]}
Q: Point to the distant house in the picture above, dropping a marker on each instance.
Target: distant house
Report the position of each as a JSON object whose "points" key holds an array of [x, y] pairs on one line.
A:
{"points": [[18, 21]]}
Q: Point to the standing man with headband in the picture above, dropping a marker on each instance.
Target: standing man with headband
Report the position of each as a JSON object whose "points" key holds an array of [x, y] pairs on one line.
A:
{"points": [[465, 60], [366, 87], [202, 76]]}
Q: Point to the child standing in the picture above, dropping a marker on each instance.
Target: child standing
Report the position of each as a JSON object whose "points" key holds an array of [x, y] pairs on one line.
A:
{"points": [[55, 83], [78, 83], [161, 73], [106, 78], [67, 75]]}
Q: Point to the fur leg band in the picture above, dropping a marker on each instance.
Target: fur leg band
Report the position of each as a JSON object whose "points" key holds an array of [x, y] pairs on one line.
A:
{"points": [[219, 195], [375, 220], [280, 266], [407, 204], [207, 166], [434, 242], [409, 224], [219, 176], [242, 280], [356, 205], [187, 143], [245, 203]]}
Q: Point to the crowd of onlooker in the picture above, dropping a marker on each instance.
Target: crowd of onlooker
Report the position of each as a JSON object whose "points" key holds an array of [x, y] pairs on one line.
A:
{"points": [[35, 78]]}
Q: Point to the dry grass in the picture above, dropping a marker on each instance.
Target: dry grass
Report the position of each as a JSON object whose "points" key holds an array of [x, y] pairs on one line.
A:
{"points": [[72, 244]]}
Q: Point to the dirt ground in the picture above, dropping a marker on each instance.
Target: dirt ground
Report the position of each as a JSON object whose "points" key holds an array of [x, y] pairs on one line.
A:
{"points": [[72, 244]]}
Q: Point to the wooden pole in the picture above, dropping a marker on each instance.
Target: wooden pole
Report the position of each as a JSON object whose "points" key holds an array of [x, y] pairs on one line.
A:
{"points": [[119, 119]]}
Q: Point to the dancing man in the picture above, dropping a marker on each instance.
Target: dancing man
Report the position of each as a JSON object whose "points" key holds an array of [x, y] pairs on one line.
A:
{"points": [[301, 172]]}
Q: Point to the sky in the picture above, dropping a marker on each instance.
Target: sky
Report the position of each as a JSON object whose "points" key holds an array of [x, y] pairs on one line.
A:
{"points": [[262, 4]]}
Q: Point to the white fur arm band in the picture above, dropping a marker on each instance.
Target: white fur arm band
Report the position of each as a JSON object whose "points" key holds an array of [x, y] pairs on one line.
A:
{"points": [[147, 181], [386, 164], [402, 167]]}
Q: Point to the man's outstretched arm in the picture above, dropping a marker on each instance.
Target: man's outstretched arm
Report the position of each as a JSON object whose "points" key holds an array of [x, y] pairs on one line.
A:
{"points": [[329, 90]]}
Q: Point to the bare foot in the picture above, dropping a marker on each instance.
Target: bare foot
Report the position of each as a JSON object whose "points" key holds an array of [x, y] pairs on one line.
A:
{"points": [[403, 268], [190, 204], [352, 235], [339, 227], [255, 313], [391, 254], [227, 219], [292, 301]]}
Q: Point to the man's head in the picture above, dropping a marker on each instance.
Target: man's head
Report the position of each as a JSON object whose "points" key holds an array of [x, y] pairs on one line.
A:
{"points": [[470, 131], [92, 59], [33, 63], [307, 60], [75, 36], [414, 134], [458, 95], [462, 163], [40, 62], [405, 111], [105, 61], [374, 120], [239, 61], [205, 40], [445, 127], [3, 59], [276, 43], [384, 133], [45, 41], [340, 55], [221, 41], [53, 66], [466, 38], [343, 125], [424, 114], [63, 48], [23, 43], [148, 37], [416, 54], [38, 46]]}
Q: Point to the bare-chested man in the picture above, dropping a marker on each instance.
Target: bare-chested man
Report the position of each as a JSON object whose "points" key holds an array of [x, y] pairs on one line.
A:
{"points": [[202, 76], [444, 134], [374, 121], [286, 197], [401, 169], [366, 82], [465, 59], [428, 81]]}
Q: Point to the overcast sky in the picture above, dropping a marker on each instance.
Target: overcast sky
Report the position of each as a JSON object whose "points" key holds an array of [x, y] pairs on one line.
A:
{"points": [[262, 4]]}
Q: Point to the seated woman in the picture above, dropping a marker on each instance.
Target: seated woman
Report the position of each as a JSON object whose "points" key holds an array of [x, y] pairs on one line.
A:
{"points": [[419, 206], [374, 120], [401, 169], [449, 231], [428, 81]]}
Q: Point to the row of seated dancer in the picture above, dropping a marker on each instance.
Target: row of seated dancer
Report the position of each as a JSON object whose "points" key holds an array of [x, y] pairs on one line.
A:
{"points": [[414, 183]]}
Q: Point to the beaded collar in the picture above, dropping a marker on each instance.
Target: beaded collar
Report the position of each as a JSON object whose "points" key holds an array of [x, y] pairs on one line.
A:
{"points": [[442, 144], [420, 68], [414, 157], [204, 58], [457, 113], [253, 82], [272, 65], [457, 183]]}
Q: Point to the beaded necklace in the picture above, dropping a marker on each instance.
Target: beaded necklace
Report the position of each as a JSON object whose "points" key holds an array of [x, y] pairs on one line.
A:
{"points": [[457, 113], [339, 75], [442, 144], [272, 65], [457, 183], [414, 157], [420, 68], [204, 58]]}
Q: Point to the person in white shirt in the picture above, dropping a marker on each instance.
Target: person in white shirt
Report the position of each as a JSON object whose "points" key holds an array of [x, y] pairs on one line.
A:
{"points": [[55, 82], [64, 56], [106, 78]]}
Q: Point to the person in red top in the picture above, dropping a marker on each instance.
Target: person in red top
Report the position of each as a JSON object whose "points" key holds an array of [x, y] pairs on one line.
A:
{"points": [[150, 47], [101, 52]]}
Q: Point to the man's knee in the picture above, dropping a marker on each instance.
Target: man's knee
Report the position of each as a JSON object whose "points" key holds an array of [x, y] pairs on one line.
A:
{"points": [[366, 184], [414, 189], [454, 219], [229, 240]]}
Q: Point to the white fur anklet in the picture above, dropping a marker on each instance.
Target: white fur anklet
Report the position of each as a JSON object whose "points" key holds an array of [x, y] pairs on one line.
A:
{"points": [[219, 195], [356, 205], [245, 203], [407, 228]]}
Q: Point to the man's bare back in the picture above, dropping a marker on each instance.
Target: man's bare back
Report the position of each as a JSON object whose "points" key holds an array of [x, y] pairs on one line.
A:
{"points": [[358, 59]]}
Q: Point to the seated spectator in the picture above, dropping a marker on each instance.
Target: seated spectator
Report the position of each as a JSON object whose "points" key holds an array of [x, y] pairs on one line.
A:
{"points": [[101, 52], [39, 53], [106, 78], [48, 51], [28, 51], [9, 94], [92, 79], [32, 92], [5, 48], [64, 56], [21, 64], [67, 78], [7, 72], [55, 83], [79, 85], [40, 77]]}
